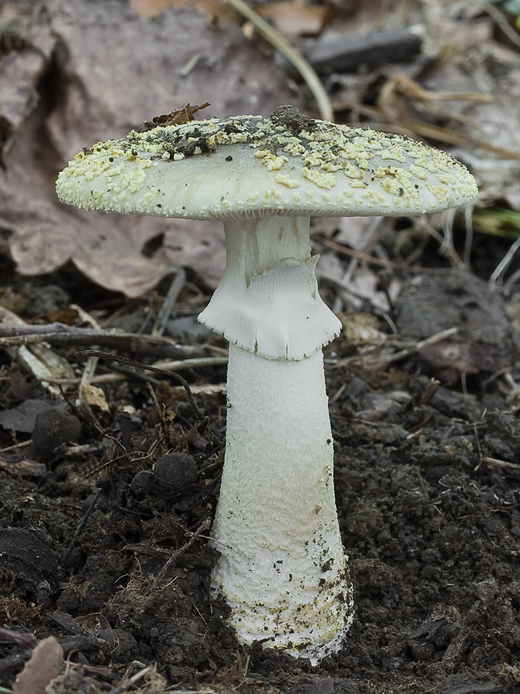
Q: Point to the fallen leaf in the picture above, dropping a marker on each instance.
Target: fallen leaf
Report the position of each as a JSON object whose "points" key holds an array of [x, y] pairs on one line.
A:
{"points": [[87, 104], [216, 9], [26, 467], [149, 8], [45, 663], [39, 359], [94, 396], [295, 19]]}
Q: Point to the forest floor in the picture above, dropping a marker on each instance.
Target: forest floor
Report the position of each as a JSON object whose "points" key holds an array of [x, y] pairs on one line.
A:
{"points": [[104, 557]]}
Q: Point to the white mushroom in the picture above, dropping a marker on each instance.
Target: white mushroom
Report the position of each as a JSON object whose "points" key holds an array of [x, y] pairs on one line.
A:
{"points": [[282, 567]]}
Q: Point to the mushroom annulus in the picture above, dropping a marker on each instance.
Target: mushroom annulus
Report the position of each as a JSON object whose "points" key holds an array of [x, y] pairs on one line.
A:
{"points": [[282, 567]]}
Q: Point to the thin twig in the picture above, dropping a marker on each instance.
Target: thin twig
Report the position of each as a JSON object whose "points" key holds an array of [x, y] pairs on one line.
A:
{"points": [[446, 243], [411, 127], [295, 57], [171, 297], [505, 262], [12, 335], [468, 244], [142, 367], [496, 462], [433, 339], [16, 446], [377, 362], [126, 684], [502, 23], [82, 523]]}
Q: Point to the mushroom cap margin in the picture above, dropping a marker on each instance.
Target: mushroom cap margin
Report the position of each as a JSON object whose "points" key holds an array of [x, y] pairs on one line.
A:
{"points": [[254, 166]]}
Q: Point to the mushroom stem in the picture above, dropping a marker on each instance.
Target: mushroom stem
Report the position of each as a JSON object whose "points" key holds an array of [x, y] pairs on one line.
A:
{"points": [[282, 567], [267, 300]]}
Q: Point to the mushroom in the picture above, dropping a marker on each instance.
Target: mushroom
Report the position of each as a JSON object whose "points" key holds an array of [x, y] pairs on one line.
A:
{"points": [[282, 567]]}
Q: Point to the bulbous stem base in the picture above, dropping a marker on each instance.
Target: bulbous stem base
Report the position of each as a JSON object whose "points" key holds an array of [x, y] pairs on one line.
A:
{"points": [[282, 567]]}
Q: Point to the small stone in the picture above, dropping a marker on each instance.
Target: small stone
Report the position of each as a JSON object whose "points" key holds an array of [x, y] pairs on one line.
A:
{"points": [[53, 429], [141, 483], [175, 471]]}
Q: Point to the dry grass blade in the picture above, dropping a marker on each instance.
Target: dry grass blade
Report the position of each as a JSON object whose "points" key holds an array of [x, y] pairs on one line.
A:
{"points": [[142, 367], [126, 684], [289, 51], [38, 359], [501, 22], [374, 361], [410, 127]]}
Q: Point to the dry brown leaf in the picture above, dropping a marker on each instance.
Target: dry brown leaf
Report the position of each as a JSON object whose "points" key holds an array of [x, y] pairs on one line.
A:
{"points": [[178, 116], [296, 20], [87, 71], [150, 8], [400, 91], [94, 396], [216, 9], [361, 330], [26, 467], [20, 72], [39, 359], [45, 663]]}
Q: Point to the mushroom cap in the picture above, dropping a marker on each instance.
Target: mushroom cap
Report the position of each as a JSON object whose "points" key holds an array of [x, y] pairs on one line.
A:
{"points": [[287, 164]]}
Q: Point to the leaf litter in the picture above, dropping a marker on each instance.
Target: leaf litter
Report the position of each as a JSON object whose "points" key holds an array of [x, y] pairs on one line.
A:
{"points": [[423, 381]]}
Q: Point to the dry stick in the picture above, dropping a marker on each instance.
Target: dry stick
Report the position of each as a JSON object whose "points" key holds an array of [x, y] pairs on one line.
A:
{"points": [[383, 361], [433, 339], [16, 446], [126, 684], [295, 57], [82, 523], [344, 250], [435, 132], [172, 554], [92, 362], [171, 297], [496, 462], [60, 334], [368, 245], [371, 260], [504, 263], [502, 22], [468, 244], [142, 367]]}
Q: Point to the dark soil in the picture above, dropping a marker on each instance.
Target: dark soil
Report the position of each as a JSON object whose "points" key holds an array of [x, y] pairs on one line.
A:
{"points": [[104, 547]]}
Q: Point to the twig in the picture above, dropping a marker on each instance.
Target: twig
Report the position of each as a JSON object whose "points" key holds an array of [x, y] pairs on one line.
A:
{"points": [[446, 243], [16, 446], [126, 684], [24, 639], [91, 365], [468, 244], [351, 252], [505, 262], [172, 554], [435, 132], [171, 297], [433, 339], [82, 523], [295, 57], [495, 462], [142, 367], [12, 335], [502, 22], [397, 356]]}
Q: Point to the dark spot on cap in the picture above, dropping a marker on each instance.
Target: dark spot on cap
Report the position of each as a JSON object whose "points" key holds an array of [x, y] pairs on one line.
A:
{"points": [[289, 117]]}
